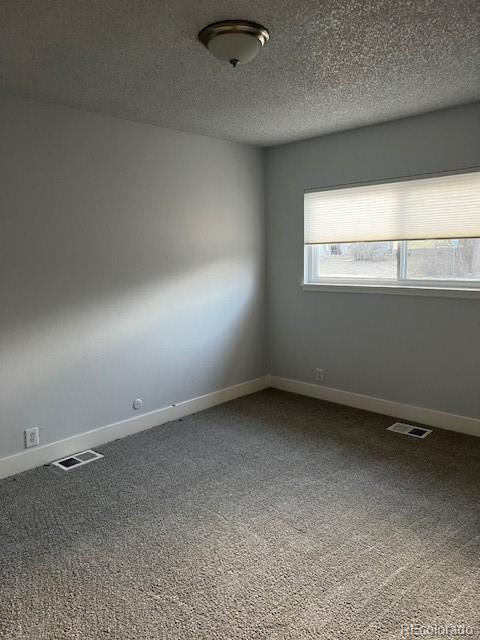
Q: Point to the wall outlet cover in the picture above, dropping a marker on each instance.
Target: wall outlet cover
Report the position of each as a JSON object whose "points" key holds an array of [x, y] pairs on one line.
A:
{"points": [[32, 437]]}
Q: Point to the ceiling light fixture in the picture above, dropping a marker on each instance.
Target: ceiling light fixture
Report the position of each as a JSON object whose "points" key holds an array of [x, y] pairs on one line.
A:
{"points": [[234, 41]]}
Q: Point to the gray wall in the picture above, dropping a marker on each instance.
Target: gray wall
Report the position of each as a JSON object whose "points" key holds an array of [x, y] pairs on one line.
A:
{"points": [[132, 265], [420, 351]]}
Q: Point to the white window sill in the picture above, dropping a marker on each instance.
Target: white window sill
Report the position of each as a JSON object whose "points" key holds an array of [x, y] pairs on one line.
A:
{"points": [[399, 290]]}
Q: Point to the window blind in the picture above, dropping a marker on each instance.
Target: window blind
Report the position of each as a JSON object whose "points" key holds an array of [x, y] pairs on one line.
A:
{"points": [[424, 208]]}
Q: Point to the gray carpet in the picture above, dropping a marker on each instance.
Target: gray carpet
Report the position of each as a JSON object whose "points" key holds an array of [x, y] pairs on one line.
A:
{"points": [[273, 516]]}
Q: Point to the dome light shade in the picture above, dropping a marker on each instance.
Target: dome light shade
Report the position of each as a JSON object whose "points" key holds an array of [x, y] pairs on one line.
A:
{"points": [[234, 41]]}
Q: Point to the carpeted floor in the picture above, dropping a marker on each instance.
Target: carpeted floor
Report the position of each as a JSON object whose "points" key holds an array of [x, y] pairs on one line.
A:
{"points": [[273, 516]]}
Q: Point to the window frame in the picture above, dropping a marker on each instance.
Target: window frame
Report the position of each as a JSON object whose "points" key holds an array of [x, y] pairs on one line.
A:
{"points": [[311, 268], [402, 284]]}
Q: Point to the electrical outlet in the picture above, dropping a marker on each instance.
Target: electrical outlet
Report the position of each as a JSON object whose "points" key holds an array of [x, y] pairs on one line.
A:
{"points": [[32, 437], [319, 375]]}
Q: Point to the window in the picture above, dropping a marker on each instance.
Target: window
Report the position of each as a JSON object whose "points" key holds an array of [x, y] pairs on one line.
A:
{"points": [[422, 232]]}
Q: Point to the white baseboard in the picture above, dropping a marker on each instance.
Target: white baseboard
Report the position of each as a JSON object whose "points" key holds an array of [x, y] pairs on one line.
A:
{"points": [[45, 454], [431, 417]]}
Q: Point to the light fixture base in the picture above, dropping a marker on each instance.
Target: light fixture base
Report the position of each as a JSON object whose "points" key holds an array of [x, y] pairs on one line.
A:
{"points": [[234, 26]]}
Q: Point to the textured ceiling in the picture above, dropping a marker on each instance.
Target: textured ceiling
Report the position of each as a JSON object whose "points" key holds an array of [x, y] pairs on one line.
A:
{"points": [[330, 64]]}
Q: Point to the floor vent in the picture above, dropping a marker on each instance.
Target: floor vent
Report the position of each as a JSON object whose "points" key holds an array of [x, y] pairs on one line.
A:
{"points": [[79, 459], [410, 430]]}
